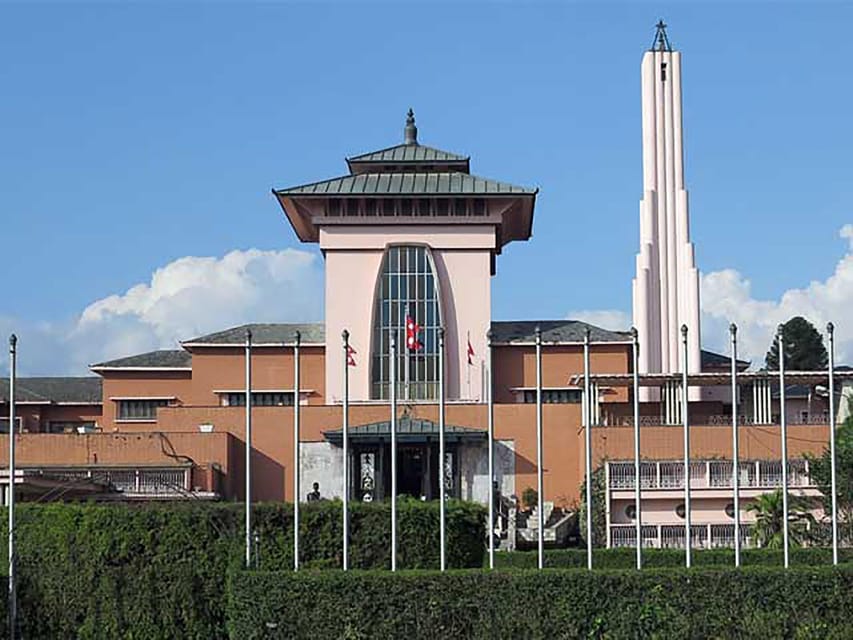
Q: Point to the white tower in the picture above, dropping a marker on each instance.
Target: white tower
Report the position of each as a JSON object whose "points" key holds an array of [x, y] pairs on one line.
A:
{"points": [[666, 287]]}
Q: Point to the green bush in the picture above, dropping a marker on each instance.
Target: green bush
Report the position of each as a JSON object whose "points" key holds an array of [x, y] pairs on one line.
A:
{"points": [[752, 602], [625, 558], [159, 571]]}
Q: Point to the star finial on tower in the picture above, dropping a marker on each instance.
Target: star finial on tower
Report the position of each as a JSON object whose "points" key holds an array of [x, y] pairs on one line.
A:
{"points": [[661, 41], [411, 132]]}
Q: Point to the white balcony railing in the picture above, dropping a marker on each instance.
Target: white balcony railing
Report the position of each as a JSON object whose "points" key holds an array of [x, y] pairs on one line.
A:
{"points": [[142, 481], [671, 536], [709, 474], [712, 420]]}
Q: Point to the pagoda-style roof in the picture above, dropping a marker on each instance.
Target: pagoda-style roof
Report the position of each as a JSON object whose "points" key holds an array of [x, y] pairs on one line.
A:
{"points": [[412, 184], [409, 157], [407, 184]]}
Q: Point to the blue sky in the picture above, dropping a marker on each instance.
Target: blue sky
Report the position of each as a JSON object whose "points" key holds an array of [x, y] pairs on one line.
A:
{"points": [[137, 134]]}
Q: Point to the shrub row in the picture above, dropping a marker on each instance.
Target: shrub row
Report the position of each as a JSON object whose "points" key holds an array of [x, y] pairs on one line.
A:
{"points": [[625, 558], [752, 602], [159, 571]]}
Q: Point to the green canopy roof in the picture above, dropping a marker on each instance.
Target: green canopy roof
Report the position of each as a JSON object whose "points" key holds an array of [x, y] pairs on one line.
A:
{"points": [[408, 430]]}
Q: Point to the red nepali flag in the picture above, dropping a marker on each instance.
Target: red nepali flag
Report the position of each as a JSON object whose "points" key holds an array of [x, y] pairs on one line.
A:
{"points": [[412, 329], [350, 359]]}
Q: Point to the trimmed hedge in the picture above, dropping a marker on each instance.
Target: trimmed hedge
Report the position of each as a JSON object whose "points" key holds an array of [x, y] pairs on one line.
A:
{"points": [[752, 602], [625, 558], [159, 571]]}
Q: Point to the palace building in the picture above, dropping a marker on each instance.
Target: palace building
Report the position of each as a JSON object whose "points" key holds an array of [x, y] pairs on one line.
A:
{"points": [[411, 235]]}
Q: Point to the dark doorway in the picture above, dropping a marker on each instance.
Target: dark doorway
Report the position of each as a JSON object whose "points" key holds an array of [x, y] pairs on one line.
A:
{"points": [[412, 470]]}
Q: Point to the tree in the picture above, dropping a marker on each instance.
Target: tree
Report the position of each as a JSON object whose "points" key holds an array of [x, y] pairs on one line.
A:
{"points": [[769, 514], [804, 350], [820, 470]]}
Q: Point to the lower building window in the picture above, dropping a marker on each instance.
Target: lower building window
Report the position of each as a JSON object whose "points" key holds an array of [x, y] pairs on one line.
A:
{"points": [[730, 509], [70, 426], [554, 396], [259, 399], [142, 409], [631, 511], [4, 424], [680, 511]]}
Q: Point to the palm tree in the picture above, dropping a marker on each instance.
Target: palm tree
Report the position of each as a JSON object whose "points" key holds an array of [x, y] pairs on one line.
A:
{"points": [[768, 511]]}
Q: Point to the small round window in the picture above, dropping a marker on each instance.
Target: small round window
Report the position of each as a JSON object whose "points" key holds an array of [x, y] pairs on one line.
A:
{"points": [[730, 509], [680, 510], [631, 511]]}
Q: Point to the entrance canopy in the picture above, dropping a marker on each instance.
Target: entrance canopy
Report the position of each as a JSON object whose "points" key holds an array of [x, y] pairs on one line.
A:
{"points": [[409, 430]]}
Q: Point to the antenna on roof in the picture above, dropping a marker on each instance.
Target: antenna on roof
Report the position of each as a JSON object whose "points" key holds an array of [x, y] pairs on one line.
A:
{"points": [[661, 41], [411, 129]]}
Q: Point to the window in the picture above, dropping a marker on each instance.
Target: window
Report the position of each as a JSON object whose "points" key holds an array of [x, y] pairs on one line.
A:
{"points": [[70, 426], [407, 286], [663, 72], [140, 409], [631, 511], [4, 424], [730, 510], [554, 396], [259, 399], [680, 511]]}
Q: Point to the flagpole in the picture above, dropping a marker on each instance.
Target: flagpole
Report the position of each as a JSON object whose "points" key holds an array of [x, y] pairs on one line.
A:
{"points": [[296, 487], [13, 596], [468, 368], [441, 454], [491, 422], [783, 421], [685, 421], [830, 328], [637, 480], [539, 483], [735, 452], [392, 370], [345, 427], [248, 448], [587, 391], [407, 352]]}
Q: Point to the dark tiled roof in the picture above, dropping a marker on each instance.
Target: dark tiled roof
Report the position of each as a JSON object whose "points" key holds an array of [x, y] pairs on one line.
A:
{"points": [[57, 390], [553, 331], [407, 429], [163, 359], [712, 360], [311, 333], [409, 153], [407, 184]]}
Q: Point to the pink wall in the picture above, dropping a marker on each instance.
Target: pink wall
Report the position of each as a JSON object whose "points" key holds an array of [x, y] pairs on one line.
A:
{"points": [[462, 255]]}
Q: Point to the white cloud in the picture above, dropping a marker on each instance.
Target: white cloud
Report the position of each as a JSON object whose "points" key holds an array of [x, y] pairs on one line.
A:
{"points": [[727, 297], [185, 298], [611, 319]]}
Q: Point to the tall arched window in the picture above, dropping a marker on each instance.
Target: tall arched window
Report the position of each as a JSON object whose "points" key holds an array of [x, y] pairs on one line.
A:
{"points": [[407, 286]]}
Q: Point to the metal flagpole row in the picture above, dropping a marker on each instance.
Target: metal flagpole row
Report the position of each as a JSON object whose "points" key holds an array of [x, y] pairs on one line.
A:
{"points": [[491, 426], [684, 417], [248, 448], [539, 483], [830, 329], [441, 461], [587, 423], [637, 481], [345, 428], [783, 421], [735, 452], [13, 600], [296, 487], [392, 370]]}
